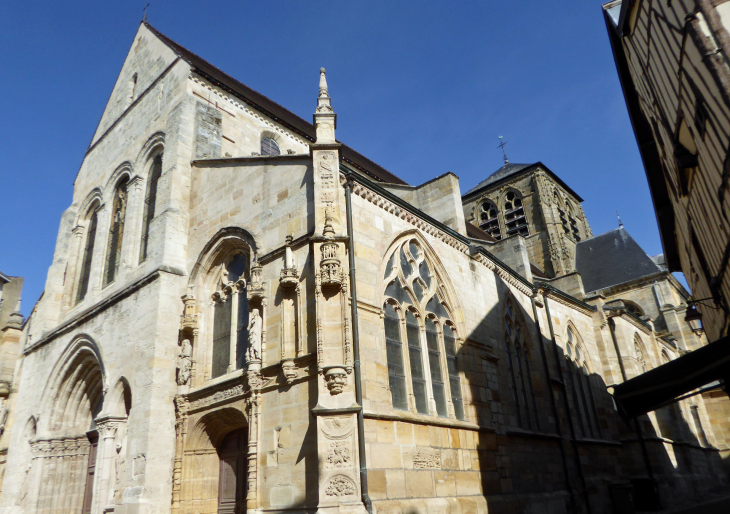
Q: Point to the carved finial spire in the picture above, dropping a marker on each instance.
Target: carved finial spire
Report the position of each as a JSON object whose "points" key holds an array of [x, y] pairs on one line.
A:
{"points": [[620, 223], [325, 119], [329, 230]]}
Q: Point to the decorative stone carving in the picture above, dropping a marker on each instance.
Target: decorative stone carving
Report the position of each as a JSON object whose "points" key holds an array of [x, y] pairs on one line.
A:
{"points": [[339, 454], [426, 458], [218, 396], [4, 411], [254, 338], [289, 369], [185, 363], [290, 274], [330, 265], [335, 377], [256, 285], [189, 319], [340, 485]]}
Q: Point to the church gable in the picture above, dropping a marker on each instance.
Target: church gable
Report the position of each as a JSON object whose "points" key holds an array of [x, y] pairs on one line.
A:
{"points": [[147, 59]]}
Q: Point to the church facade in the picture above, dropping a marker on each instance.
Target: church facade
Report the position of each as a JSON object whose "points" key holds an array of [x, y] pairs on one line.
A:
{"points": [[244, 314]]}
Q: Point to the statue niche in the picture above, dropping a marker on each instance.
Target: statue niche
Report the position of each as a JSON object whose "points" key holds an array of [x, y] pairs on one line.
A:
{"points": [[291, 298]]}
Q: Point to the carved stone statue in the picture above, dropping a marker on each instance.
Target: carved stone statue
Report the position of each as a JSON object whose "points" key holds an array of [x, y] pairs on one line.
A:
{"points": [[3, 415], [185, 364], [119, 465], [254, 337]]}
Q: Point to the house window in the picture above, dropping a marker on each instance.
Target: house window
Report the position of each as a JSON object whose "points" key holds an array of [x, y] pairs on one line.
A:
{"points": [[149, 205], [431, 376], [514, 215], [83, 286], [269, 146], [230, 316], [116, 233], [488, 220], [518, 361], [579, 386]]}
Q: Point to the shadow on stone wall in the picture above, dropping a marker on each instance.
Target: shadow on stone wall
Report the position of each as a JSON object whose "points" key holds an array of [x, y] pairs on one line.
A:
{"points": [[557, 459]]}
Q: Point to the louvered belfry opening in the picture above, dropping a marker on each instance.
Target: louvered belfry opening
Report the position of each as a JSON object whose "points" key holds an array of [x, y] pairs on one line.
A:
{"points": [[514, 215], [489, 220]]}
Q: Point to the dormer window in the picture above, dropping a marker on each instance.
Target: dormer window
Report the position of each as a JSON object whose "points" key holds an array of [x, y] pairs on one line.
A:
{"points": [[488, 220], [514, 215], [269, 146]]}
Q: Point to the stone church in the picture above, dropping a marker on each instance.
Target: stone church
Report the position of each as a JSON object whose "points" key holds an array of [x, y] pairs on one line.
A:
{"points": [[245, 315]]}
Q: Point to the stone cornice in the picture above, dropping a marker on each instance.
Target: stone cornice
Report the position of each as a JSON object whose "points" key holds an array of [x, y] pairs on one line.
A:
{"points": [[391, 203], [103, 305]]}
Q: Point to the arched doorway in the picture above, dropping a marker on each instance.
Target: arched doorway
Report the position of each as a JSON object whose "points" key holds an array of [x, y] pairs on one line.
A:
{"points": [[213, 468], [232, 473]]}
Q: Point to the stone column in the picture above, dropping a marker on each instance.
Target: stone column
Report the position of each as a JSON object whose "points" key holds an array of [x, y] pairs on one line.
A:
{"points": [[254, 405], [77, 242], [234, 328], [105, 464], [181, 429], [133, 222]]}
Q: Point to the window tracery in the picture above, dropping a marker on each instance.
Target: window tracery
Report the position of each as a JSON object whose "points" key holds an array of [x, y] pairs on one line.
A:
{"points": [[116, 233], [579, 384], [518, 362], [230, 316], [640, 355], [489, 219], [415, 314], [269, 146], [514, 215]]}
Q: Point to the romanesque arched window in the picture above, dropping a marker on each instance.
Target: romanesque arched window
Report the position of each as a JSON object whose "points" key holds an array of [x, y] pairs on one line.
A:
{"points": [[85, 272], [116, 233], [230, 315], [579, 385], [514, 215], [150, 202], [518, 362], [489, 219], [415, 313], [269, 146]]}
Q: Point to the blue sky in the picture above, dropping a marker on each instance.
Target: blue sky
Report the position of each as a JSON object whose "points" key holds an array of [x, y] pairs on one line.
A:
{"points": [[421, 88]]}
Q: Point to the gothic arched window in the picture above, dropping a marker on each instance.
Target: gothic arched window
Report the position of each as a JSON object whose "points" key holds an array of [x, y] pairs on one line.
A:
{"points": [[518, 361], [640, 354], [85, 271], [633, 309], [269, 146], [489, 220], [116, 233], [149, 204], [514, 215], [581, 392], [230, 316], [431, 376], [574, 232]]}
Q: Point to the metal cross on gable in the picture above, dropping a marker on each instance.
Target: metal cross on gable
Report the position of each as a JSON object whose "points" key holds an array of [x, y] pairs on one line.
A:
{"points": [[501, 145], [144, 18]]}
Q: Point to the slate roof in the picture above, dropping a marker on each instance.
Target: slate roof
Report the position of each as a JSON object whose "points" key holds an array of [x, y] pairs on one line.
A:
{"points": [[505, 171], [273, 110], [610, 259], [510, 170]]}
